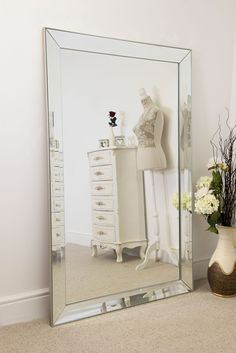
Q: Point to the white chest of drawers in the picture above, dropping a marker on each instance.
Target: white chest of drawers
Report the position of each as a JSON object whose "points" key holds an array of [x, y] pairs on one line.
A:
{"points": [[117, 200]]}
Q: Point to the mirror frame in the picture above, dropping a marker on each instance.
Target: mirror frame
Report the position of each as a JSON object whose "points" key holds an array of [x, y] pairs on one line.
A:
{"points": [[60, 312]]}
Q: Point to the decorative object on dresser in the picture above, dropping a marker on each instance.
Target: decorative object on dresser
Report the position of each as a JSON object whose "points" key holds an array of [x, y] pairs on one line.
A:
{"points": [[103, 143], [216, 200], [112, 123], [118, 220], [120, 140]]}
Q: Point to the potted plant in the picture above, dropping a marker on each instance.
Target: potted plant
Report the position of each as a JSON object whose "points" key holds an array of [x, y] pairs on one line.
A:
{"points": [[215, 199]]}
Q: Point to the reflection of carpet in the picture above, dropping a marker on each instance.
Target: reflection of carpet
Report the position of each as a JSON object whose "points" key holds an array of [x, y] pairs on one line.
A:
{"points": [[89, 277]]}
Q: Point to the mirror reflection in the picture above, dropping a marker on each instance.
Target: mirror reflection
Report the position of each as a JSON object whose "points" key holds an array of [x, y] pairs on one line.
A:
{"points": [[120, 167]]}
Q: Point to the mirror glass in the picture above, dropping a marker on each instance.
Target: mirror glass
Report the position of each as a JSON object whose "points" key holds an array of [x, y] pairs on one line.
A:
{"points": [[119, 122]]}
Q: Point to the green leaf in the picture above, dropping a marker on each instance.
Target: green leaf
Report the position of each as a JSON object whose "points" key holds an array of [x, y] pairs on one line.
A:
{"points": [[213, 219], [213, 229], [217, 183]]}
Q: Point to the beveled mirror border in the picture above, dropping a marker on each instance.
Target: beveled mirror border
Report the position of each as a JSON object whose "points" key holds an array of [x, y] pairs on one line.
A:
{"points": [[117, 301]]}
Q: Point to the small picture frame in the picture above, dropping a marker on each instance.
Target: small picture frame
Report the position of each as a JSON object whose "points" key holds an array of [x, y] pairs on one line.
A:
{"points": [[103, 143], [120, 140]]}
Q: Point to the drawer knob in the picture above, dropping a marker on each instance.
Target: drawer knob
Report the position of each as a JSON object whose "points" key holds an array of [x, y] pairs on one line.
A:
{"points": [[99, 188], [57, 234], [100, 203], [100, 218], [98, 158], [101, 232], [98, 173]]}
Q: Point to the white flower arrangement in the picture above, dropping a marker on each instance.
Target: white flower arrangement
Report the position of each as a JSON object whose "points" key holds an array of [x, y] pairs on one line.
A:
{"points": [[206, 204], [207, 200], [212, 195], [203, 191], [215, 196], [186, 201], [213, 164], [204, 182]]}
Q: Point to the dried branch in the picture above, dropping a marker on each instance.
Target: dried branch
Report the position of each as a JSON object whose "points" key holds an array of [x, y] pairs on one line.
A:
{"points": [[227, 150]]}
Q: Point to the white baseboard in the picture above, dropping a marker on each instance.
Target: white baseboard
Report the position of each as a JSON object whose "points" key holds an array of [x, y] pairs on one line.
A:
{"points": [[200, 268], [24, 307], [83, 239]]}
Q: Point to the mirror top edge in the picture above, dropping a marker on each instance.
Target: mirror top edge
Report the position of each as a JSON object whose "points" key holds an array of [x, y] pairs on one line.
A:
{"points": [[52, 31]]}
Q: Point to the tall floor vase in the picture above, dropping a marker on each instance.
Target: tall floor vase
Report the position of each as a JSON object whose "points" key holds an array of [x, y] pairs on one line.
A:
{"points": [[222, 267]]}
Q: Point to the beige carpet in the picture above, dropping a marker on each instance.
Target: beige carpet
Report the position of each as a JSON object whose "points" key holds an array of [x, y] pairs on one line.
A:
{"points": [[198, 322], [90, 277]]}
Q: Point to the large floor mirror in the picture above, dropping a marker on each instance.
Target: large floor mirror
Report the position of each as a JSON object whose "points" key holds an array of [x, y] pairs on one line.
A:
{"points": [[119, 126]]}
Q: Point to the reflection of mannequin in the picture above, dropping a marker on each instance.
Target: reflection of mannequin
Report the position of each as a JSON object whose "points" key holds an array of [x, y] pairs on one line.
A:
{"points": [[185, 164], [185, 138], [150, 158], [150, 155]]}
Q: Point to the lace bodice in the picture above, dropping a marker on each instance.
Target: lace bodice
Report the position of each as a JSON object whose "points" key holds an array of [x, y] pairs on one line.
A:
{"points": [[144, 130]]}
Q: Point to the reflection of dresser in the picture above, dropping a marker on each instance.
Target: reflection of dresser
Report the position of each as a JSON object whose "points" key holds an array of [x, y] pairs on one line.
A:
{"points": [[118, 215], [57, 200]]}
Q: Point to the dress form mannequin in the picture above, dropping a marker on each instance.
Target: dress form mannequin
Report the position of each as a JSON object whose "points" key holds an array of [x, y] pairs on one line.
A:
{"points": [[150, 158], [150, 155]]}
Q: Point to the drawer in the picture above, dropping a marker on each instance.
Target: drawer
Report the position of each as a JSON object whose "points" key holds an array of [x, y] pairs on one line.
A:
{"points": [[104, 218], [57, 189], [56, 164], [57, 219], [57, 173], [101, 173], [58, 235], [103, 203], [102, 188], [100, 158], [58, 204], [104, 234], [56, 159]]}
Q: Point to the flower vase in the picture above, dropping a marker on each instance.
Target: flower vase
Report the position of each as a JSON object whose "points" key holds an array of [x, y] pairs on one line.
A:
{"points": [[222, 266], [111, 137]]}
